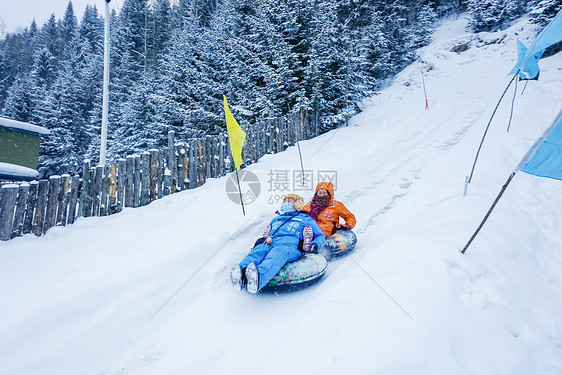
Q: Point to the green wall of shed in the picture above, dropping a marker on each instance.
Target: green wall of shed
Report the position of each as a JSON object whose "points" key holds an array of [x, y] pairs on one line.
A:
{"points": [[19, 148]]}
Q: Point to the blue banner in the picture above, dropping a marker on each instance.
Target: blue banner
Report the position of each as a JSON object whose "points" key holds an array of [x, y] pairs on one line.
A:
{"points": [[527, 64], [547, 160]]}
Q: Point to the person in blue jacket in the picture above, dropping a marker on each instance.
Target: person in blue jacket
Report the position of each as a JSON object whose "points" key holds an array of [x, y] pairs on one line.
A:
{"points": [[282, 237]]}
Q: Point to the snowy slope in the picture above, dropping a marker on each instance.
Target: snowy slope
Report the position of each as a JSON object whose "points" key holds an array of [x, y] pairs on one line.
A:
{"points": [[147, 291]]}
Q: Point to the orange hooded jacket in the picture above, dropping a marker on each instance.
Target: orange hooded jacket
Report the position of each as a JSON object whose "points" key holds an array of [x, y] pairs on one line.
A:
{"points": [[330, 216]]}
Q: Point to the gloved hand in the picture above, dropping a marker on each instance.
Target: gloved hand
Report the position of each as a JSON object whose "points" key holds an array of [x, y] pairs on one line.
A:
{"points": [[344, 227]]}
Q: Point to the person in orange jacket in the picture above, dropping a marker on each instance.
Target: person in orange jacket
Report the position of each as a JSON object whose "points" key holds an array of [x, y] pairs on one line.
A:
{"points": [[327, 211]]}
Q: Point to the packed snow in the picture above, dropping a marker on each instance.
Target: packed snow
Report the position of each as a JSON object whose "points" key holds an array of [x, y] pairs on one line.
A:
{"points": [[23, 126], [147, 291], [13, 170]]}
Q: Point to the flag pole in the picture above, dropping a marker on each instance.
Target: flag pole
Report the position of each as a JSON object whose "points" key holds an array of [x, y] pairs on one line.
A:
{"points": [[236, 138], [488, 126], [240, 191], [105, 102], [489, 212], [425, 92], [520, 166]]}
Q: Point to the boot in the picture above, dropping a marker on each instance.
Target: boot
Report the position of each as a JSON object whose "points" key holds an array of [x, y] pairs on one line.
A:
{"points": [[252, 278], [237, 278], [307, 236]]}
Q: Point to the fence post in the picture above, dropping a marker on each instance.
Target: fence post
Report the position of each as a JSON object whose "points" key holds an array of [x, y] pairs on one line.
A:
{"points": [[160, 174], [228, 157], [85, 197], [262, 139], [30, 209], [52, 203], [214, 156], [64, 197], [221, 154], [129, 185], [251, 141], [207, 153], [42, 192], [145, 179], [96, 189], [137, 181], [112, 190], [200, 163], [172, 158], [165, 171], [121, 183], [74, 182], [295, 127], [181, 160], [104, 205], [153, 172], [304, 124], [17, 227], [185, 165], [300, 135], [8, 195], [192, 164], [271, 136], [167, 186]]}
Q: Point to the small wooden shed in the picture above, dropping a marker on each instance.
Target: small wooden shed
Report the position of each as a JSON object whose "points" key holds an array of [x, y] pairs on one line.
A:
{"points": [[19, 149]]}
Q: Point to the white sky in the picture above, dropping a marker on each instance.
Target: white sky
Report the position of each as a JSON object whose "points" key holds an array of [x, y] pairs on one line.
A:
{"points": [[18, 14]]}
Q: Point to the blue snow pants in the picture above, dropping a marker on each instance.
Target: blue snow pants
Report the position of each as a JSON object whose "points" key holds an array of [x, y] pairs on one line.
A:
{"points": [[269, 259]]}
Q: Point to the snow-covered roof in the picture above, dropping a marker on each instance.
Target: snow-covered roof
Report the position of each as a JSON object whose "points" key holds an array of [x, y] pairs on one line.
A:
{"points": [[23, 126], [10, 171]]}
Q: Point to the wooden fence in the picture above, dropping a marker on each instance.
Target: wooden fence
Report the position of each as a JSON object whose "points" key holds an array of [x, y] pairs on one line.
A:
{"points": [[137, 180]]}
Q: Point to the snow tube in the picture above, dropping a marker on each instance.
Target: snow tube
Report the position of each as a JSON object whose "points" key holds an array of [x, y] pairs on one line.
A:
{"points": [[299, 274], [341, 243]]}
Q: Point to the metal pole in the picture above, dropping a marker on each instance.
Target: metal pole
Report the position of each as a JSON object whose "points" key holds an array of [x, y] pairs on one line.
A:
{"points": [[488, 126], [425, 92], [521, 164], [240, 191], [489, 212], [105, 105]]}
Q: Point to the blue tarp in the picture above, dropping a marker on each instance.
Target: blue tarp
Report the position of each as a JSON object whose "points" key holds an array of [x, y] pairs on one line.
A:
{"points": [[551, 34], [547, 160]]}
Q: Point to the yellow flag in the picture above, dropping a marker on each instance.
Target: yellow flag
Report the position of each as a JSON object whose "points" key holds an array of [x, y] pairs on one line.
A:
{"points": [[236, 136]]}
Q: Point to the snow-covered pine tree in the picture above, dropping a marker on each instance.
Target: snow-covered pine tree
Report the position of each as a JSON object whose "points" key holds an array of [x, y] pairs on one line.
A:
{"points": [[376, 49], [20, 102], [160, 30], [3, 74], [18, 52], [68, 26], [44, 69], [91, 29], [491, 15], [183, 74], [337, 60], [398, 33], [55, 112], [50, 37], [424, 25], [544, 11]]}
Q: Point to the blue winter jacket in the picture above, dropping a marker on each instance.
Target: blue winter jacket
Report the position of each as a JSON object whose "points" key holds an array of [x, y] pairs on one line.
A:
{"points": [[287, 228]]}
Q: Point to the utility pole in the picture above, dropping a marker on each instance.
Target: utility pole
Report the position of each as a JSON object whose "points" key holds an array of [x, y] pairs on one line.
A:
{"points": [[105, 103]]}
